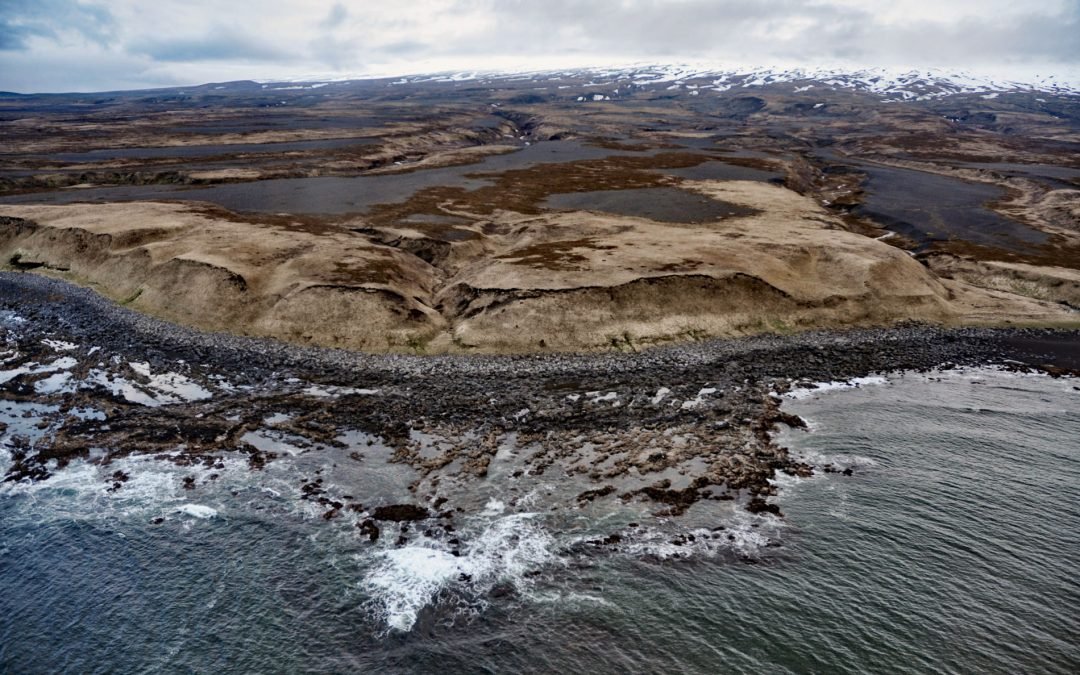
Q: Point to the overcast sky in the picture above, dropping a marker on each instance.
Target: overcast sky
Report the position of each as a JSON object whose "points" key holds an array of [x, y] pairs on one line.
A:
{"points": [[95, 45]]}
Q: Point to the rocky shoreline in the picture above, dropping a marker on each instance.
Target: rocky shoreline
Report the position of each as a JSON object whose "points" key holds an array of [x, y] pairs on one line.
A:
{"points": [[666, 428]]}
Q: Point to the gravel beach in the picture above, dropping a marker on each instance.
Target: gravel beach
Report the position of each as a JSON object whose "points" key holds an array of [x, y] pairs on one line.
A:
{"points": [[668, 427]]}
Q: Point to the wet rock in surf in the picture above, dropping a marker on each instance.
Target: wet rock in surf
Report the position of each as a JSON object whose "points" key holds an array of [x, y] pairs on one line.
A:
{"points": [[369, 529], [401, 513], [759, 505], [590, 495], [678, 500], [801, 469]]}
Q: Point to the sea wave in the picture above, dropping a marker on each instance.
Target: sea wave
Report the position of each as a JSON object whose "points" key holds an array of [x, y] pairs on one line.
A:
{"points": [[403, 581]]}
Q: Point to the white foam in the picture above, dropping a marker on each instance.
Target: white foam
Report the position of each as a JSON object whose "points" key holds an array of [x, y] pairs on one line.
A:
{"points": [[271, 442], [745, 535], [81, 490], [89, 414], [823, 387], [221, 383], [65, 363], [334, 392], [699, 399], [784, 481], [745, 540], [118, 386], [172, 387], [197, 511], [161, 389], [54, 384], [8, 375], [84, 490], [406, 580], [25, 418], [571, 598], [60, 345], [410, 578], [820, 459]]}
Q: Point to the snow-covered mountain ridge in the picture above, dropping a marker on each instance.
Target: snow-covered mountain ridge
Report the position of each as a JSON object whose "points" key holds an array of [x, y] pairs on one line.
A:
{"points": [[898, 84], [892, 84]]}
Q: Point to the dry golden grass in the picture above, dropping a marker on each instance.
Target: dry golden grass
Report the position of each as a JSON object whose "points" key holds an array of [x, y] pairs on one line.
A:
{"points": [[512, 281]]}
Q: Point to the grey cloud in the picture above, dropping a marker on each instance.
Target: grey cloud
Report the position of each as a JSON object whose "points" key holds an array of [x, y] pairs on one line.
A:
{"points": [[334, 52], [335, 18], [57, 71], [329, 49], [655, 29], [984, 40], [220, 43], [649, 25], [23, 19], [404, 48], [350, 34]]}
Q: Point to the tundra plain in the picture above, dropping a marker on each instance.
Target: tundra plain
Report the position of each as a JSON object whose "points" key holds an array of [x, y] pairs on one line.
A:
{"points": [[534, 214]]}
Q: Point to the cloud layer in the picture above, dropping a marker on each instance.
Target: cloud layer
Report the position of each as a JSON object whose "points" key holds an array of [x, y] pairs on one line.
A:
{"points": [[66, 45]]}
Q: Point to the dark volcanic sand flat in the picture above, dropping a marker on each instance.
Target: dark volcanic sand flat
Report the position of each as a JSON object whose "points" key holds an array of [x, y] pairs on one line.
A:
{"points": [[718, 170], [665, 204], [1057, 177], [928, 208], [166, 152], [282, 123], [1061, 350], [435, 219]]}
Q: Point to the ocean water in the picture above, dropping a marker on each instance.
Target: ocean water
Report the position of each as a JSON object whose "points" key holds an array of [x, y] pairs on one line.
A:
{"points": [[954, 547]]}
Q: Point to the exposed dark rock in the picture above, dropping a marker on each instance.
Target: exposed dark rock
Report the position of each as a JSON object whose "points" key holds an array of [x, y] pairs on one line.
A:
{"points": [[369, 529], [678, 500], [759, 505], [400, 513], [590, 495], [735, 455]]}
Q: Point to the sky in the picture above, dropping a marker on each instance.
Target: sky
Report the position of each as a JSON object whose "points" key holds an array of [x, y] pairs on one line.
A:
{"points": [[100, 45]]}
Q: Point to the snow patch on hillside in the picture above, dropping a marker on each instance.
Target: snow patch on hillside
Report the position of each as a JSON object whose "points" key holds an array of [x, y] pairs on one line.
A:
{"points": [[892, 84]]}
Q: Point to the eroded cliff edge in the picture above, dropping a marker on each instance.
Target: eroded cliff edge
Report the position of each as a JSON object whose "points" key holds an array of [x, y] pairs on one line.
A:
{"points": [[452, 276]]}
